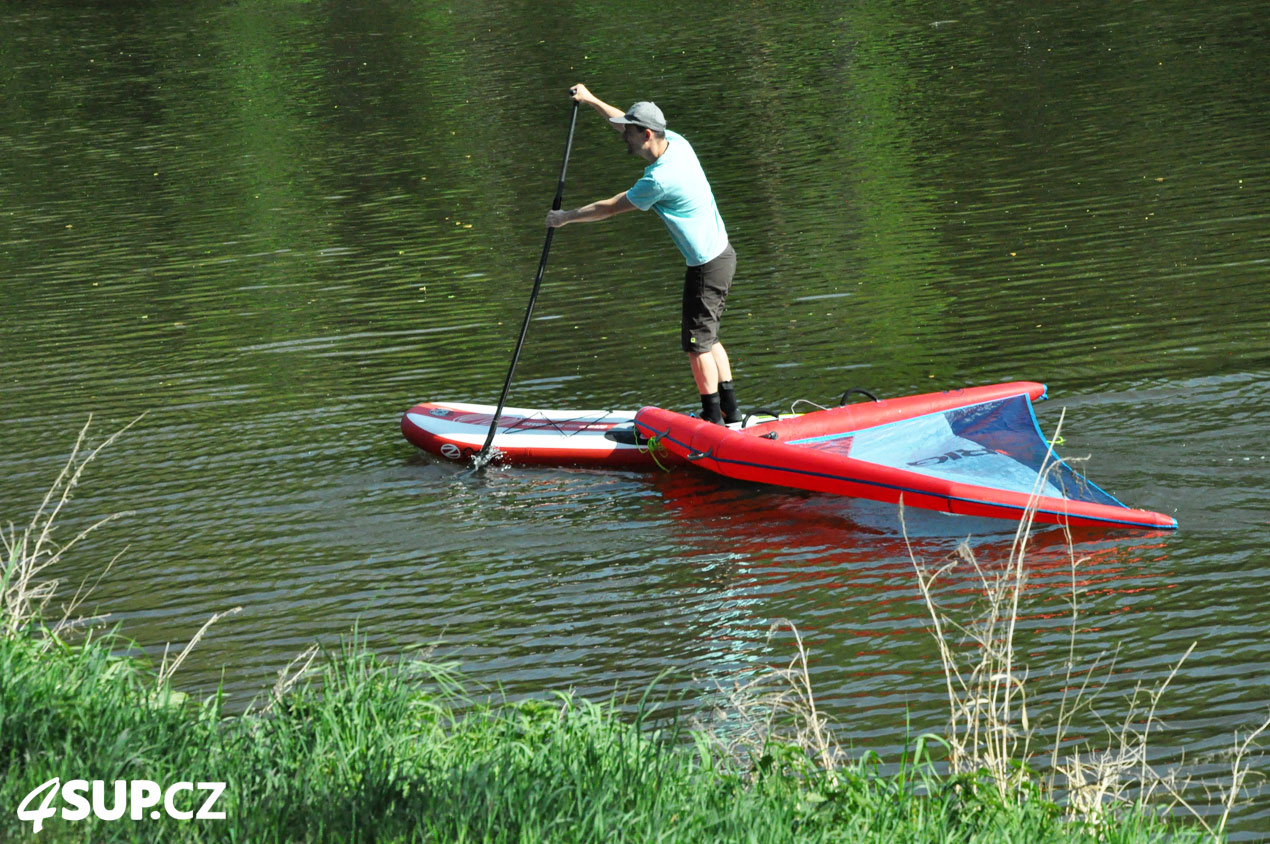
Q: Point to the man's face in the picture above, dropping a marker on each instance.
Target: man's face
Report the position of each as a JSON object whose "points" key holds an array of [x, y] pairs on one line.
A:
{"points": [[635, 137]]}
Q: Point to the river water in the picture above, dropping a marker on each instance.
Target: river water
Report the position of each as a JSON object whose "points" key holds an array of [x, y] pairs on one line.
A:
{"points": [[272, 227]]}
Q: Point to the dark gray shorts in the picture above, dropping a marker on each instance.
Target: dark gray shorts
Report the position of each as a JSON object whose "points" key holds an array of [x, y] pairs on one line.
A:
{"points": [[705, 293]]}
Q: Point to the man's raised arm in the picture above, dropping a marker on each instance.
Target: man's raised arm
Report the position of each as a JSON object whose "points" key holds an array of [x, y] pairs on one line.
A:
{"points": [[584, 96]]}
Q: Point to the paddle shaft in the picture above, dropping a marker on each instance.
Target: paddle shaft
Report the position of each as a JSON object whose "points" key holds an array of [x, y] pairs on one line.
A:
{"points": [[533, 296]]}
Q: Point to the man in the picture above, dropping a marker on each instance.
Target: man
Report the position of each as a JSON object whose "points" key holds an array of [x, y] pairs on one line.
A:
{"points": [[675, 186]]}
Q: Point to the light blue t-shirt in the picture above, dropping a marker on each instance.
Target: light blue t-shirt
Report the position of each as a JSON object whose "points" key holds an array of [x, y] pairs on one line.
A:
{"points": [[675, 187]]}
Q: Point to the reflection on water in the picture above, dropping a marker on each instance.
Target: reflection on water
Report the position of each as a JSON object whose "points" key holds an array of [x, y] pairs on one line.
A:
{"points": [[273, 227]]}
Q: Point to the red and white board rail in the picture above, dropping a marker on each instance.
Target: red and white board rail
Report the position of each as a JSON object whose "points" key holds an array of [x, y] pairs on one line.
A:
{"points": [[457, 431]]}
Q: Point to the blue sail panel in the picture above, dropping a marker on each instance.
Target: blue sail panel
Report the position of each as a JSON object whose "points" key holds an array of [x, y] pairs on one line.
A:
{"points": [[996, 444]]}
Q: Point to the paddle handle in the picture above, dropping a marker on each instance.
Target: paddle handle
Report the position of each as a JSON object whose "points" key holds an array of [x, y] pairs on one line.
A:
{"points": [[533, 296]]}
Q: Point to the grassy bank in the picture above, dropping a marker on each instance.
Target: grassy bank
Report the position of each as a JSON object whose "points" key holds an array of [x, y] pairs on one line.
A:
{"points": [[363, 750]]}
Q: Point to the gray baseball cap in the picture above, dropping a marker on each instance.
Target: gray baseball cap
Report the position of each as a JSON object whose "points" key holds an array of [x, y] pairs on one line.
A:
{"points": [[644, 114]]}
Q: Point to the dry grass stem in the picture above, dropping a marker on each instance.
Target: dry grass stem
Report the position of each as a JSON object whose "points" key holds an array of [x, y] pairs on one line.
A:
{"points": [[165, 670], [1238, 774], [778, 707], [25, 587], [288, 677], [26, 583], [1230, 792]]}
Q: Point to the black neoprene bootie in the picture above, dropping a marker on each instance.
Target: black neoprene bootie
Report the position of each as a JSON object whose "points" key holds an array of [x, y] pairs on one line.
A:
{"points": [[727, 403], [710, 409]]}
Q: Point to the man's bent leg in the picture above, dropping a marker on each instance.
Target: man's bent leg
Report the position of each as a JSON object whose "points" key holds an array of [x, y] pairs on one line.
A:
{"points": [[727, 394], [721, 363], [704, 371]]}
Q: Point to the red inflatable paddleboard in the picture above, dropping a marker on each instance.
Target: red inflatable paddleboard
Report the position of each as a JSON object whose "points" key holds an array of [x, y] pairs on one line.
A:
{"points": [[977, 451]]}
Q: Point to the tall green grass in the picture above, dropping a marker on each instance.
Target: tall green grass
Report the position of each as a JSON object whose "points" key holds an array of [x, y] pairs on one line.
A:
{"points": [[362, 749]]}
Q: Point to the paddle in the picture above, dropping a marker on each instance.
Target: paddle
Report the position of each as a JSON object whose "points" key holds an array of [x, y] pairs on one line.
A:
{"points": [[483, 457]]}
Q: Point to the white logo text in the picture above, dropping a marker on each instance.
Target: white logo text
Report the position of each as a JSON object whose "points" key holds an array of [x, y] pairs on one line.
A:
{"points": [[132, 797]]}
